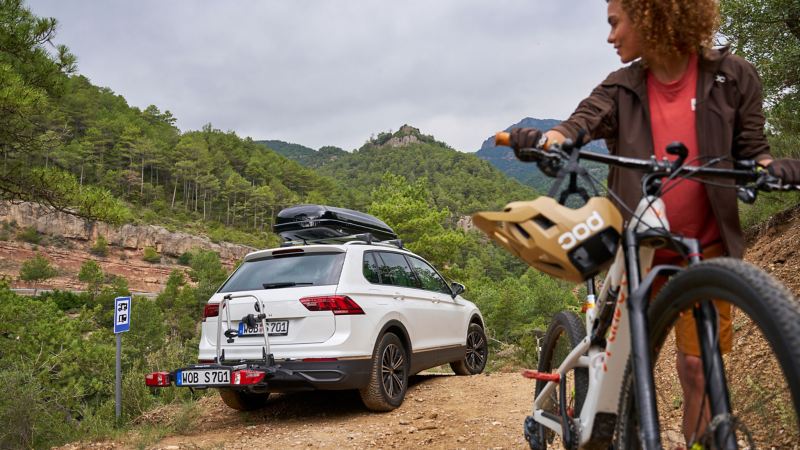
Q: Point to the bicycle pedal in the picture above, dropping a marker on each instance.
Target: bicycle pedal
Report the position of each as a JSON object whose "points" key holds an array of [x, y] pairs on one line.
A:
{"points": [[541, 376]]}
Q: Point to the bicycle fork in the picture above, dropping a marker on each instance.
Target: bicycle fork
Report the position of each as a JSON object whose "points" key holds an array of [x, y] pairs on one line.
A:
{"points": [[705, 316]]}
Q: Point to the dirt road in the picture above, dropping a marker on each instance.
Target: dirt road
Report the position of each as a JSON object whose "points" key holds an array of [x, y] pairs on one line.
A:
{"points": [[440, 411]]}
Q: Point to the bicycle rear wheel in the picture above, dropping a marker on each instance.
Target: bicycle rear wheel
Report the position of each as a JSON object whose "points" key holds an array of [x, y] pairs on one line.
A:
{"points": [[565, 332], [762, 371]]}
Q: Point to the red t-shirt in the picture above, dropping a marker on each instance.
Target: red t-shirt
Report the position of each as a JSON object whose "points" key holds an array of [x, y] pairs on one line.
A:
{"points": [[672, 118]]}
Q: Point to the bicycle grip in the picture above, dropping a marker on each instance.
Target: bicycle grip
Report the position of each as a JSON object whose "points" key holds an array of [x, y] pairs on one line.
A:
{"points": [[502, 138]]}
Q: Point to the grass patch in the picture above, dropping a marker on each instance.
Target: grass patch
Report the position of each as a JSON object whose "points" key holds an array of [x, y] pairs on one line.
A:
{"points": [[767, 205]]}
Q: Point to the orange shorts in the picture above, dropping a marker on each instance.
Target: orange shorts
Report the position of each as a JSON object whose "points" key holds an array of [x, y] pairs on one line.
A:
{"points": [[686, 329]]}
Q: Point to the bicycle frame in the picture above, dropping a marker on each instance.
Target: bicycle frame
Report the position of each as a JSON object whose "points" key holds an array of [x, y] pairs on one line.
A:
{"points": [[606, 365]]}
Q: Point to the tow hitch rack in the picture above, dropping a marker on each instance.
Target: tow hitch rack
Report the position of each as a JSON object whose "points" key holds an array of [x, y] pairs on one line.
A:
{"points": [[220, 374]]}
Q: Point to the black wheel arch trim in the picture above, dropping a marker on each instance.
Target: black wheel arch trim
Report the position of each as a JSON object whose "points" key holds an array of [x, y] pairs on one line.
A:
{"points": [[394, 323]]}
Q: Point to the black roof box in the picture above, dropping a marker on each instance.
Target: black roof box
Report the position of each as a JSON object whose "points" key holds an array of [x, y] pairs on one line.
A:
{"points": [[319, 222]]}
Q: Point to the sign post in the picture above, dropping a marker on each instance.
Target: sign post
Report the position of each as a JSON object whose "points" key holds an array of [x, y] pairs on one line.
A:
{"points": [[122, 323]]}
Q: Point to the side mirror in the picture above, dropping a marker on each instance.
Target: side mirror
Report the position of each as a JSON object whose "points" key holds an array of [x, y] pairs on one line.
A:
{"points": [[456, 289]]}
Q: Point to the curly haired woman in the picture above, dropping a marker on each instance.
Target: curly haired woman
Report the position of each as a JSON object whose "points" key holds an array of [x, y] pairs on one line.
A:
{"points": [[677, 89]]}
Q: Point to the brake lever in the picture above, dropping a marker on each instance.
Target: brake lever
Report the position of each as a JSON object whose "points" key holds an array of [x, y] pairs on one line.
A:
{"points": [[747, 194]]}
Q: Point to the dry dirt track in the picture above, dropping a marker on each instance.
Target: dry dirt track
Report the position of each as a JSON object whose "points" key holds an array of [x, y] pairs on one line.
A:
{"points": [[440, 411]]}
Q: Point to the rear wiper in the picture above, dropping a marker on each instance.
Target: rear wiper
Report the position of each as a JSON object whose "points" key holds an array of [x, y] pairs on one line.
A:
{"points": [[284, 284]]}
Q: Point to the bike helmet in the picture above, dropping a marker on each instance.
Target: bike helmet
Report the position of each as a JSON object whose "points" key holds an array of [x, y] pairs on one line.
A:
{"points": [[572, 244]]}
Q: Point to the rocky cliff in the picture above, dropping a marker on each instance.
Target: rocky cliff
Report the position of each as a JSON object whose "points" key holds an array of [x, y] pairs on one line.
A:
{"points": [[128, 237]]}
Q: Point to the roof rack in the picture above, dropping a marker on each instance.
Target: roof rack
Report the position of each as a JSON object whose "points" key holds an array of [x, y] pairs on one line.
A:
{"points": [[353, 239]]}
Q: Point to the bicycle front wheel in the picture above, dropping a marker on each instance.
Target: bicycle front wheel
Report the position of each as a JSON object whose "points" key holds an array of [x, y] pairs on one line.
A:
{"points": [[762, 371], [565, 332]]}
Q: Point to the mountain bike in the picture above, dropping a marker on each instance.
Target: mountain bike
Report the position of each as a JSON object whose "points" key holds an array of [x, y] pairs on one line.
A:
{"points": [[596, 382]]}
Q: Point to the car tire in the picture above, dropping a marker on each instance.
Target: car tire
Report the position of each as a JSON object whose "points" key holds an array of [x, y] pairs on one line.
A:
{"points": [[476, 354], [243, 400], [388, 379]]}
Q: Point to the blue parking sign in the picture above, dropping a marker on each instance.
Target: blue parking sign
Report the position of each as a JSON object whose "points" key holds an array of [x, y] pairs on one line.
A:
{"points": [[122, 314]]}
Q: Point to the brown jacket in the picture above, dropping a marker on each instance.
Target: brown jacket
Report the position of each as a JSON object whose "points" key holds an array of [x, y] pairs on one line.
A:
{"points": [[730, 122]]}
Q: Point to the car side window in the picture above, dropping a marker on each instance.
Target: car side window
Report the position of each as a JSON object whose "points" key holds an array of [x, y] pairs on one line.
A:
{"points": [[428, 277], [371, 268], [395, 270]]}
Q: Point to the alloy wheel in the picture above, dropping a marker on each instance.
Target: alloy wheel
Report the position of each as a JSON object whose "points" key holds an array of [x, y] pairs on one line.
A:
{"points": [[393, 366], [476, 351]]}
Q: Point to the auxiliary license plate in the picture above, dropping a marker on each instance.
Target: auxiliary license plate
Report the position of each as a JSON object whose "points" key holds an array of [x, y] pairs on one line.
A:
{"points": [[276, 328], [203, 377]]}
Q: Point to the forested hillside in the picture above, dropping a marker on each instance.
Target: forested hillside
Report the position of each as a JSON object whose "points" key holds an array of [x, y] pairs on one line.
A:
{"points": [[304, 155], [459, 182], [206, 177]]}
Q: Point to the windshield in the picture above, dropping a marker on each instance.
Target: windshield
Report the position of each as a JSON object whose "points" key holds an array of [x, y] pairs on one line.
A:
{"points": [[309, 269]]}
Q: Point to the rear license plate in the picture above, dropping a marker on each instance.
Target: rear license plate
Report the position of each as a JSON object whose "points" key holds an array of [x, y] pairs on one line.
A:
{"points": [[276, 328], [203, 377]]}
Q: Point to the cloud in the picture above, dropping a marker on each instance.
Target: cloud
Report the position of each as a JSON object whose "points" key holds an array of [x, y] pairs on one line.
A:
{"points": [[325, 72]]}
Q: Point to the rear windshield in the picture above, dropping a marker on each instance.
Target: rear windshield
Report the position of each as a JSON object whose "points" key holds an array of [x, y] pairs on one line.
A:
{"points": [[310, 269]]}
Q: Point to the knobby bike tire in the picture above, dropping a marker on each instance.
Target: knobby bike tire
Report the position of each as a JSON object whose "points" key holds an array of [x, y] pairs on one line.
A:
{"points": [[770, 310], [565, 332]]}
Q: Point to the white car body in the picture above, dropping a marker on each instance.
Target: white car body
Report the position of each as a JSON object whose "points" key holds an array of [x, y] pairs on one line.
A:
{"points": [[323, 350]]}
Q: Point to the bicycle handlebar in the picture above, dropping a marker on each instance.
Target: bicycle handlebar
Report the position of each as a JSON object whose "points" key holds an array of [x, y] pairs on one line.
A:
{"points": [[502, 138], [747, 171]]}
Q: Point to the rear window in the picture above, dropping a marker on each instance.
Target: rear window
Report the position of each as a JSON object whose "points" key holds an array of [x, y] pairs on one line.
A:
{"points": [[309, 269]]}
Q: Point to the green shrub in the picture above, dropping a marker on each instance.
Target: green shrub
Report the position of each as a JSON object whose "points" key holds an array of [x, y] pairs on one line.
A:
{"points": [[185, 259], [37, 269], [32, 416], [92, 274], [30, 235], [100, 247], [66, 300], [151, 255]]}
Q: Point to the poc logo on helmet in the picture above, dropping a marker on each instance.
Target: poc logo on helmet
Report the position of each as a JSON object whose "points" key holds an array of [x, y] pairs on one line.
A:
{"points": [[581, 231]]}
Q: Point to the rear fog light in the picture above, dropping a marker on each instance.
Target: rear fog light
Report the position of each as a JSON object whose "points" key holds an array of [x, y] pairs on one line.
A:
{"points": [[211, 310], [246, 376], [157, 379]]}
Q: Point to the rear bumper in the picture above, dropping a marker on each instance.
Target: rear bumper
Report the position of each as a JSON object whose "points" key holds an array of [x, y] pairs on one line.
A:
{"points": [[327, 375], [292, 376]]}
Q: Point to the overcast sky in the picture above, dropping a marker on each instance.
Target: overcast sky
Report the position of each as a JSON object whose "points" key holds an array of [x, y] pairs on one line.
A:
{"points": [[334, 72]]}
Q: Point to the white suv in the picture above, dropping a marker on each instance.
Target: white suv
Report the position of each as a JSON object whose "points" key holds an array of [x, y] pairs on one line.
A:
{"points": [[355, 315]]}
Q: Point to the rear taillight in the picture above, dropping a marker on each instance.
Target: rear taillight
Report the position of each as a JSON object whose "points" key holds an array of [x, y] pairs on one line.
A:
{"points": [[211, 310], [157, 379], [339, 304], [246, 376]]}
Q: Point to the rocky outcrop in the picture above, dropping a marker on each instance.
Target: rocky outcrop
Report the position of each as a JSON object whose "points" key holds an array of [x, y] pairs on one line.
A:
{"points": [[132, 237]]}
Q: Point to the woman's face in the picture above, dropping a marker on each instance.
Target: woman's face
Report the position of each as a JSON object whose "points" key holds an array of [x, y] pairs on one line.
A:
{"points": [[622, 36]]}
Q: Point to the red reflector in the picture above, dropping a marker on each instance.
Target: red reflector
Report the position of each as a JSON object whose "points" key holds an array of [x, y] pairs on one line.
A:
{"points": [[541, 376], [319, 359], [246, 376], [211, 310], [339, 304], [157, 379]]}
